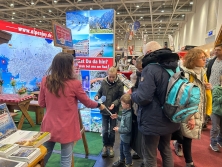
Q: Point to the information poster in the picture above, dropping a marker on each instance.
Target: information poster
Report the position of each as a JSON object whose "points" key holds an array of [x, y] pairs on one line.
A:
{"points": [[62, 36], [93, 41]]}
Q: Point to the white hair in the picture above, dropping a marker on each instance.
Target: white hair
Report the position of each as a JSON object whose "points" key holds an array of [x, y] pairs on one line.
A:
{"points": [[151, 47]]}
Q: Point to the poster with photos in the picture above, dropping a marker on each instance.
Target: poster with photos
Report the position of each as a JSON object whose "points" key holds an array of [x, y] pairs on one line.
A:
{"points": [[93, 42]]}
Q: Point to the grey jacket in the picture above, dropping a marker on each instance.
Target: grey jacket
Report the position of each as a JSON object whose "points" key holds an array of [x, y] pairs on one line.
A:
{"points": [[113, 92], [125, 125]]}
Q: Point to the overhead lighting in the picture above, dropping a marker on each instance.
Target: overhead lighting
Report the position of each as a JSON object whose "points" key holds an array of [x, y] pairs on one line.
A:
{"points": [[55, 1], [125, 22], [177, 23], [160, 20], [163, 3], [50, 11], [13, 12], [162, 11], [63, 24], [32, 3], [137, 6], [191, 3], [36, 25], [90, 8], [118, 13], [159, 27], [43, 16], [12, 4], [141, 17], [183, 15], [79, 0], [40, 21], [13, 18]]}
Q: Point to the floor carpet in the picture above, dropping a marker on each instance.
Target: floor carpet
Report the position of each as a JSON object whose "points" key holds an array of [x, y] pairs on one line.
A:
{"points": [[54, 161]]}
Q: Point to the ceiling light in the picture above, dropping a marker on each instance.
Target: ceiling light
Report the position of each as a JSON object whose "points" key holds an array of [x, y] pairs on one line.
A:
{"points": [[183, 15], [162, 11], [125, 22], [137, 6], [160, 20], [141, 17], [40, 21], [177, 23], [50, 10], [79, 0], [12, 4], [90, 8], [63, 24], [139, 39], [118, 13], [43, 16], [191, 2], [13, 12], [163, 3], [32, 3], [55, 1], [36, 25], [12, 18]]}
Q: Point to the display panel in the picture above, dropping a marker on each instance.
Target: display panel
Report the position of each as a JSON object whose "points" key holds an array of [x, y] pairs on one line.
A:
{"points": [[93, 42], [25, 58]]}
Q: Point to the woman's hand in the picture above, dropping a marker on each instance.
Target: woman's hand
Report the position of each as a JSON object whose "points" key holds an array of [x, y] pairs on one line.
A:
{"points": [[191, 123], [208, 86], [102, 107]]}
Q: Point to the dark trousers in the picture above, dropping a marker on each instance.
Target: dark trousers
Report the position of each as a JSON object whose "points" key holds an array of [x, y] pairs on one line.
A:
{"points": [[107, 130], [125, 152], [149, 150], [186, 143]]}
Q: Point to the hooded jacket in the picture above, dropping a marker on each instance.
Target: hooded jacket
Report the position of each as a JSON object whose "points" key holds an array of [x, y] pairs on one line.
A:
{"points": [[113, 92], [151, 92]]}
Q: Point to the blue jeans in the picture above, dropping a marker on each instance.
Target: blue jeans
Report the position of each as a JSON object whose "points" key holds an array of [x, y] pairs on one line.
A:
{"points": [[125, 152], [216, 129], [66, 153], [107, 130]]}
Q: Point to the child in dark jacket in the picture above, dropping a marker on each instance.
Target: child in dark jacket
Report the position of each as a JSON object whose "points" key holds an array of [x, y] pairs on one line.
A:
{"points": [[216, 118], [125, 132], [112, 89]]}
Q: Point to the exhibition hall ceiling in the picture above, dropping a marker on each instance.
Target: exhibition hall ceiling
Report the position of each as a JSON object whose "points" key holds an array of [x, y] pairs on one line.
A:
{"points": [[158, 18]]}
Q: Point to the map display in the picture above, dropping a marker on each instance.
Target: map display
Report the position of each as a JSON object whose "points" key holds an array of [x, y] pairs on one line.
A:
{"points": [[25, 58]]}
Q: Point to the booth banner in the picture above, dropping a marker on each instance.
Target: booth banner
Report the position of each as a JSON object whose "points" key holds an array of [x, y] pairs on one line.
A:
{"points": [[18, 28], [62, 36], [94, 63]]}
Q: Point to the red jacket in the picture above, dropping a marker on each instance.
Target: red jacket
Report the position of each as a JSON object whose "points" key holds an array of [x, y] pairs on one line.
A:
{"points": [[61, 118]]}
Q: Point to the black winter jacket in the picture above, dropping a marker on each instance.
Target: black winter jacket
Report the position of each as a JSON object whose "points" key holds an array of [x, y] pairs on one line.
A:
{"points": [[151, 92]]}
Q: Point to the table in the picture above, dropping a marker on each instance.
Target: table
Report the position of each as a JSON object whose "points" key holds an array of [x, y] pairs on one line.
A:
{"points": [[22, 102], [36, 93]]}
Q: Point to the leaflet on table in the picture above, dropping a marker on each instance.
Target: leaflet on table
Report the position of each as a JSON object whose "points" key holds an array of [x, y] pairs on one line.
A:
{"points": [[11, 163], [25, 154], [27, 138], [7, 125], [7, 149]]}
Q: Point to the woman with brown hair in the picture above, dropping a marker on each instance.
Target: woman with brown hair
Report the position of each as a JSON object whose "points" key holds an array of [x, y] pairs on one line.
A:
{"points": [[194, 63], [59, 93]]}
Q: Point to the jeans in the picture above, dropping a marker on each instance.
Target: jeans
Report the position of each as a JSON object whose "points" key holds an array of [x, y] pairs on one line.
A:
{"points": [[149, 150], [107, 130], [216, 129], [66, 153], [125, 152]]}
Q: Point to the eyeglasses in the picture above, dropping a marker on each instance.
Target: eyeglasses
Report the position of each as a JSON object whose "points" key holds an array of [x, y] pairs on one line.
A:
{"points": [[203, 58]]}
